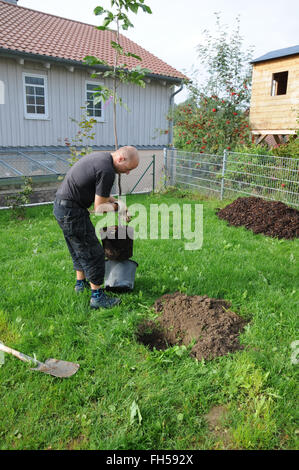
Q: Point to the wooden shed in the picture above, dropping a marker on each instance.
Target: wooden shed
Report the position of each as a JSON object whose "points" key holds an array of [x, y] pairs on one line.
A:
{"points": [[274, 105]]}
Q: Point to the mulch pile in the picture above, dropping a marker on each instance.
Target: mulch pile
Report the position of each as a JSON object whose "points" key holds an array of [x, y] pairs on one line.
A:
{"points": [[271, 218], [184, 319]]}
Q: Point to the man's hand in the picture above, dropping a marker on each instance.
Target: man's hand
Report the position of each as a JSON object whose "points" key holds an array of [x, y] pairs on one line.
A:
{"points": [[109, 204], [123, 211], [104, 204]]}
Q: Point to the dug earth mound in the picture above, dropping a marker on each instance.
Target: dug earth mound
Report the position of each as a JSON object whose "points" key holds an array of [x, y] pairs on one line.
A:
{"points": [[183, 319], [271, 218]]}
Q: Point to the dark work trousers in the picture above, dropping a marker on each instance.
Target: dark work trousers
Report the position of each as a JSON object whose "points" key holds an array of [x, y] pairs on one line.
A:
{"points": [[85, 249]]}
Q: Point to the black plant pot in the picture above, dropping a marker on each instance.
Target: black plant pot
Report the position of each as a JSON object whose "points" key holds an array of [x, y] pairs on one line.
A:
{"points": [[120, 275], [117, 242]]}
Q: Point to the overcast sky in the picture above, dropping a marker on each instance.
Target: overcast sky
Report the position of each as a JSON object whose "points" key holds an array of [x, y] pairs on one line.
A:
{"points": [[175, 28]]}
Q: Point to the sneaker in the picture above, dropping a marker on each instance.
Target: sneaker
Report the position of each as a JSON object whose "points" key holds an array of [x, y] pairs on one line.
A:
{"points": [[81, 285], [100, 300]]}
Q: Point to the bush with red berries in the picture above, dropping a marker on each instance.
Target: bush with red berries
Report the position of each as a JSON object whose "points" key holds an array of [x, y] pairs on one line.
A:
{"points": [[211, 124]]}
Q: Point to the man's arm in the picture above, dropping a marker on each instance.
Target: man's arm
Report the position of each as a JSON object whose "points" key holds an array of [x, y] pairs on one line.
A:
{"points": [[110, 204], [104, 204]]}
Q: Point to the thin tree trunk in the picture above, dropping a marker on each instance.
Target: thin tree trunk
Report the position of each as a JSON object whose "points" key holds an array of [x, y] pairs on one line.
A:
{"points": [[115, 103]]}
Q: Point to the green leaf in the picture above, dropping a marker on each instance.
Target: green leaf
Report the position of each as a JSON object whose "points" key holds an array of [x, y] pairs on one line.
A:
{"points": [[133, 7], [146, 9], [135, 411], [99, 11], [126, 23], [130, 54], [141, 70], [117, 47], [180, 350], [97, 99], [91, 60], [109, 73], [110, 16], [121, 103], [106, 22]]}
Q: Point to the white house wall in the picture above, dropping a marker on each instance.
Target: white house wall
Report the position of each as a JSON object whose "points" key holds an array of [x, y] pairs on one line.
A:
{"points": [[145, 124]]}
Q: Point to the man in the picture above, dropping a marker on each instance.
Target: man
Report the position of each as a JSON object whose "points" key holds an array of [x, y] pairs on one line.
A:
{"points": [[90, 180]]}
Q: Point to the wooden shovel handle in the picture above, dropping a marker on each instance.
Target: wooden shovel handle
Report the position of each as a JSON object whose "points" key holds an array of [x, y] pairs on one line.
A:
{"points": [[17, 354]]}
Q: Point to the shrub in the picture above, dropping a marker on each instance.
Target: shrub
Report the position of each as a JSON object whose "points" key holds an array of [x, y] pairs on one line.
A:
{"points": [[79, 146], [216, 115], [18, 201], [290, 149]]}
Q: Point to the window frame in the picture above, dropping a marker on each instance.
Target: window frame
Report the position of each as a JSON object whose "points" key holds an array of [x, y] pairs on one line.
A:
{"points": [[274, 84], [97, 118], [35, 115]]}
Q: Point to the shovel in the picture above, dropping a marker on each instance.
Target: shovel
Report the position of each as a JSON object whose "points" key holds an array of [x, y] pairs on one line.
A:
{"points": [[53, 367]]}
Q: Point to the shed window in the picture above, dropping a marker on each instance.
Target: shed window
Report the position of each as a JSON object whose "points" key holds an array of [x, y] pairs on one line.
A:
{"points": [[35, 96], [279, 83], [94, 107]]}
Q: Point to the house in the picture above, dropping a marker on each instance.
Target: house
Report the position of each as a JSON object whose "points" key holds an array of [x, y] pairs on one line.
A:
{"points": [[44, 83], [274, 105]]}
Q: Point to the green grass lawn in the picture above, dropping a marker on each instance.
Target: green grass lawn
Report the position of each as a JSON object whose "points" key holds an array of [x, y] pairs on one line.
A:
{"points": [[40, 314]]}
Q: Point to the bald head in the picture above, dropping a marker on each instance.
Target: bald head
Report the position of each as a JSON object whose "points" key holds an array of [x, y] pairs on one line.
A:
{"points": [[125, 159]]}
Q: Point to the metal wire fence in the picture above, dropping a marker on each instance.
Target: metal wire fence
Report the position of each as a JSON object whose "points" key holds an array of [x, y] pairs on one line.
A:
{"points": [[232, 173], [48, 168], [143, 178], [32, 163]]}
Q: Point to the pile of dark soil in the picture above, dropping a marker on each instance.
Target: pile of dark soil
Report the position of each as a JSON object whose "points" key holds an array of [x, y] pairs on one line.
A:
{"points": [[272, 218], [184, 319], [117, 242]]}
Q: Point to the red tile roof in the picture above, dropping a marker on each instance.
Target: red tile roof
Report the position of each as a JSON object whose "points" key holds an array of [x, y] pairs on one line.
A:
{"points": [[34, 32]]}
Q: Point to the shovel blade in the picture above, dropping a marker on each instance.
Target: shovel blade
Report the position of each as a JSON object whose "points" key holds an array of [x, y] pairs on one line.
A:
{"points": [[58, 368]]}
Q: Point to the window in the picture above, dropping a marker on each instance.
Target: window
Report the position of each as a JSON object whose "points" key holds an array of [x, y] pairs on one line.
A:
{"points": [[94, 110], [35, 95], [279, 83]]}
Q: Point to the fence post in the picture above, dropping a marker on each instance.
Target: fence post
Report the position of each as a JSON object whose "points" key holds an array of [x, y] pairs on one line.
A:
{"points": [[223, 173], [154, 171], [189, 178], [165, 167], [173, 166]]}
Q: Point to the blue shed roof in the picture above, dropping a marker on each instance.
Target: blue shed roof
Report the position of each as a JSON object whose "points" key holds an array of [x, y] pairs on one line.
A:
{"points": [[277, 54]]}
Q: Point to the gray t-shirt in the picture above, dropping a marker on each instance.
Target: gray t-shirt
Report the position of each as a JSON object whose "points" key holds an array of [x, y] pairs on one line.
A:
{"points": [[91, 175]]}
